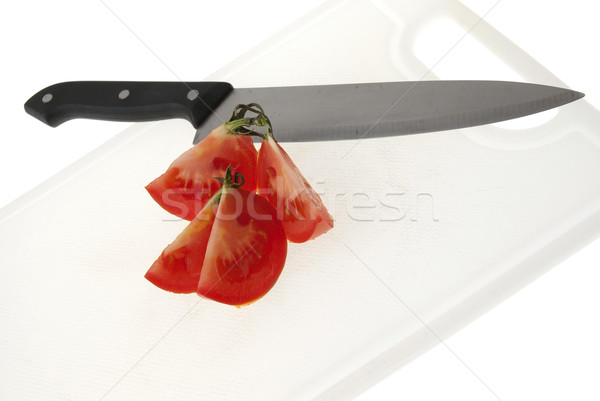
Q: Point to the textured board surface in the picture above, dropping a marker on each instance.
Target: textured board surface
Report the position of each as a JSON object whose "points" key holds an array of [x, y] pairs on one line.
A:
{"points": [[431, 230]]}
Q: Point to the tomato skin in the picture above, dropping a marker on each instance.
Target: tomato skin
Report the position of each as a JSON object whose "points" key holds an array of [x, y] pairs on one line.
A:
{"points": [[189, 182], [176, 269], [300, 208], [246, 251]]}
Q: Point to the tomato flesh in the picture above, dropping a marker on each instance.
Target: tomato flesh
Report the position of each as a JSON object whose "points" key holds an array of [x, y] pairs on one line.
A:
{"points": [[175, 269], [246, 251], [300, 208], [189, 182], [232, 252]]}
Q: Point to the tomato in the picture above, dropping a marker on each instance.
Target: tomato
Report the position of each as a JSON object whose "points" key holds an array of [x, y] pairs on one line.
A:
{"points": [[232, 252], [300, 208], [189, 182], [173, 270], [246, 250]]}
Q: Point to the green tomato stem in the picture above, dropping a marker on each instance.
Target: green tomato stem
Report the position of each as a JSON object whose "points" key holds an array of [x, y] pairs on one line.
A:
{"points": [[229, 181], [241, 125]]}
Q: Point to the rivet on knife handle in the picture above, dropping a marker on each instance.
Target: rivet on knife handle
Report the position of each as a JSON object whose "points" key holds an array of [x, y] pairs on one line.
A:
{"points": [[127, 101]]}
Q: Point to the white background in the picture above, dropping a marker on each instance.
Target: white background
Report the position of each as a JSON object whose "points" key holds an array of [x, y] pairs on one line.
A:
{"points": [[540, 344]]}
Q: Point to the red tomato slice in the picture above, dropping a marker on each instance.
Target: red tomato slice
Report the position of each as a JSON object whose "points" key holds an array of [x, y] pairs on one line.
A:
{"points": [[175, 269], [299, 207], [189, 182], [246, 250]]}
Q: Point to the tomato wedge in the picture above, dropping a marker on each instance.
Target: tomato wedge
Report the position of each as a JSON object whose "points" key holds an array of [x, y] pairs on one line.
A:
{"points": [[173, 270], [300, 208], [189, 182], [246, 250], [233, 252]]}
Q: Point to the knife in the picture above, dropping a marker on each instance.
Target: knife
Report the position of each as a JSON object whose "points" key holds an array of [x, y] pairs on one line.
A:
{"points": [[304, 113]]}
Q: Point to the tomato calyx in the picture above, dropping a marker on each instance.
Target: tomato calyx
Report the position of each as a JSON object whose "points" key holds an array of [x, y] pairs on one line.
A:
{"points": [[242, 125], [230, 180]]}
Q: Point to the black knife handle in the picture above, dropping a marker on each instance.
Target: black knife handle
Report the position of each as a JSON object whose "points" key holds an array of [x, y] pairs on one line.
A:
{"points": [[127, 101]]}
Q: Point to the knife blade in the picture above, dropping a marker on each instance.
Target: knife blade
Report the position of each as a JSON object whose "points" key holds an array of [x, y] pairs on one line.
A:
{"points": [[304, 113]]}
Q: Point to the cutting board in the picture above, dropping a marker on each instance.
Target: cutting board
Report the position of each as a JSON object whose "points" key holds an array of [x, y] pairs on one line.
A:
{"points": [[430, 232]]}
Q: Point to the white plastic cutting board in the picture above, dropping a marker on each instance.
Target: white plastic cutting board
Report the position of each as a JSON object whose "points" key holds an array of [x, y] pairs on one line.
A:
{"points": [[431, 230]]}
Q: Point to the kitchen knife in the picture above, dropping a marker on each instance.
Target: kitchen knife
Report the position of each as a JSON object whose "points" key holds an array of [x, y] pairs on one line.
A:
{"points": [[304, 113]]}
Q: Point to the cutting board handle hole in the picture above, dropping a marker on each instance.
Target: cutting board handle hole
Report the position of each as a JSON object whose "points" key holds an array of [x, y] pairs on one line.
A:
{"points": [[449, 51]]}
